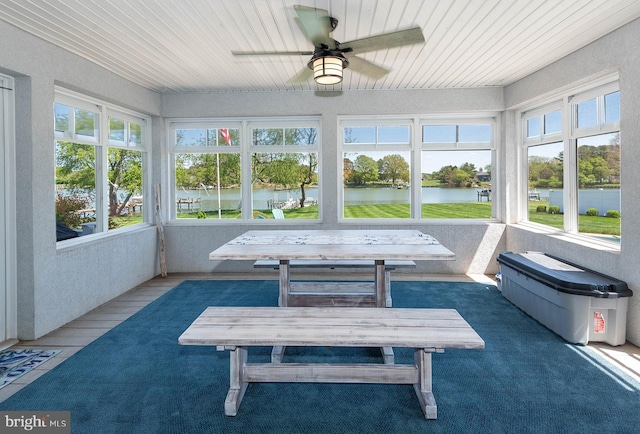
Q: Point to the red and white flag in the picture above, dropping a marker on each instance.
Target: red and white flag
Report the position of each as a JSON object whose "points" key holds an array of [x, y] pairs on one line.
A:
{"points": [[225, 135]]}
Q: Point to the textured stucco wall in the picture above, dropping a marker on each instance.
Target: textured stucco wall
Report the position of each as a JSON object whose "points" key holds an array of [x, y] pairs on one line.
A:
{"points": [[614, 52], [57, 285], [474, 243]]}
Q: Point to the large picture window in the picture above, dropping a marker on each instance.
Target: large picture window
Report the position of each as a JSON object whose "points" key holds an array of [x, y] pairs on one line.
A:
{"points": [[376, 171], [457, 169], [573, 173], [417, 168], [245, 169], [100, 155]]}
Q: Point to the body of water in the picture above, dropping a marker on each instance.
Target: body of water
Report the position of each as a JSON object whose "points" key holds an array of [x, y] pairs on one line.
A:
{"points": [[230, 197]]}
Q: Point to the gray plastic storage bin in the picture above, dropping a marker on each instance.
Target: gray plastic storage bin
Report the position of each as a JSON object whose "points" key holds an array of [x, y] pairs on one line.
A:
{"points": [[578, 304]]}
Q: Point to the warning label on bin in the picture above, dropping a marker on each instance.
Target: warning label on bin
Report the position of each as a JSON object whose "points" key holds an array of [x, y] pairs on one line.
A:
{"points": [[598, 322]]}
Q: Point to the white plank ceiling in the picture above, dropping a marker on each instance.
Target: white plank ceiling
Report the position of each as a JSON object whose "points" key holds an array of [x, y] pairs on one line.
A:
{"points": [[185, 45]]}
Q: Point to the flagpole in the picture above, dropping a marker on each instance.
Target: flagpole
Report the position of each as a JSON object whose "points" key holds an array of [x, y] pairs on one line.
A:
{"points": [[218, 183]]}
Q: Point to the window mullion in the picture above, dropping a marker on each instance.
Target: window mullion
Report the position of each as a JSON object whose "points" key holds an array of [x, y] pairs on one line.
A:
{"points": [[416, 171], [570, 191], [102, 172], [102, 193]]}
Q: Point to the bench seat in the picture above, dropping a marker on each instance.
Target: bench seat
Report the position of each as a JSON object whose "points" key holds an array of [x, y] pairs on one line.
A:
{"points": [[351, 263], [425, 330]]}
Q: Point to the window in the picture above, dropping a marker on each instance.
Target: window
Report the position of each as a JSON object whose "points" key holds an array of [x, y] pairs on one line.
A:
{"points": [[244, 169], [376, 171], [284, 168], [207, 171], [573, 174], [456, 169], [445, 173], [599, 185], [546, 180], [100, 154]]}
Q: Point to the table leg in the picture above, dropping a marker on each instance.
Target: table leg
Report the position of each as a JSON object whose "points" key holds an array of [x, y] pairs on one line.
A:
{"points": [[283, 300], [237, 385], [285, 280], [424, 387], [382, 295], [387, 282], [381, 285]]}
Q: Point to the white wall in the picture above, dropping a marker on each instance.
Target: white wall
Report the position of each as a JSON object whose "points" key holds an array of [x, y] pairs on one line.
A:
{"points": [[614, 52], [475, 244], [57, 285]]}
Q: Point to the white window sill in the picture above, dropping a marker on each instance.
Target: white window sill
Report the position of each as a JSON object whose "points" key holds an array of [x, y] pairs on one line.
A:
{"points": [[592, 242]]}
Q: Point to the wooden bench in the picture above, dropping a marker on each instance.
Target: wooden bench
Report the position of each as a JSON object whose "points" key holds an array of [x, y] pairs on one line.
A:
{"points": [[334, 293], [425, 330]]}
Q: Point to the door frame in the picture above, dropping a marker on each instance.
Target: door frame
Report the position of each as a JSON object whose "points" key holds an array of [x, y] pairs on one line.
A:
{"points": [[8, 255]]}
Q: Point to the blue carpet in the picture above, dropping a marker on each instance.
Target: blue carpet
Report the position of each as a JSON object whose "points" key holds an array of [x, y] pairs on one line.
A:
{"points": [[137, 379]]}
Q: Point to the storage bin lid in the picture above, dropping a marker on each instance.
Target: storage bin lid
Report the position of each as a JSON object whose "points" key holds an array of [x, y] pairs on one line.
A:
{"points": [[564, 276]]}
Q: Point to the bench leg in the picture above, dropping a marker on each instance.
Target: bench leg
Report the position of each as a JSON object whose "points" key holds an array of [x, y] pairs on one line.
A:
{"points": [[237, 385], [283, 300], [277, 353], [387, 355], [423, 388]]}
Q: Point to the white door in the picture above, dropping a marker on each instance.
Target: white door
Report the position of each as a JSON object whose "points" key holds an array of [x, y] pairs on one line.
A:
{"points": [[8, 307]]}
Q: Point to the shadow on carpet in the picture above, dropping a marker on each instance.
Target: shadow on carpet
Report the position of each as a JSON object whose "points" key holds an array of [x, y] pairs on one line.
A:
{"points": [[137, 379]]}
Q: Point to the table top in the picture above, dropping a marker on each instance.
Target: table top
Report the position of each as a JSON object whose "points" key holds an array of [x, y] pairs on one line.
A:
{"points": [[397, 244], [343, 326]]}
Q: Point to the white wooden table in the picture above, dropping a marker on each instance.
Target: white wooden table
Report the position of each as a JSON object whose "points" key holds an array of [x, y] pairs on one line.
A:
{"points": [[331, 245], [425, 330]]}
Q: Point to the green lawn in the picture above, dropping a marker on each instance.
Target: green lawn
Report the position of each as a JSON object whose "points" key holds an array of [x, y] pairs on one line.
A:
{"points": [[308, 212], [586, 224], [479, 210], [476, 210]]}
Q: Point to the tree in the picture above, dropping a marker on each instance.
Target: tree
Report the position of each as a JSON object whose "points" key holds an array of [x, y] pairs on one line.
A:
{"points": [[545, 172], [286, 169], [599, 164], [75, 165], [347, 169], [453, 176], [125, 173], [365, 169], [393, 167], [613, 159], [75, 168], [469, 169]]}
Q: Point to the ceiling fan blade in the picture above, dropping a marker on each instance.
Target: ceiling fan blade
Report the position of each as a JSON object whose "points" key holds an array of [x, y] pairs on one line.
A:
{"points": [[367, 68], [386, 40], [315, 24], [303, 76], [272, 53]]}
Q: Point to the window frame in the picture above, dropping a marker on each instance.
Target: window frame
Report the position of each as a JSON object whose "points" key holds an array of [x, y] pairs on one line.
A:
{"points": [[568, 102], [102, 144], [415, 147], [246, 148]]}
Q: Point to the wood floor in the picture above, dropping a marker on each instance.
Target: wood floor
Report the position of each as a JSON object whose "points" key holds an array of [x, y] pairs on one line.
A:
{"points": [[77, 334]]}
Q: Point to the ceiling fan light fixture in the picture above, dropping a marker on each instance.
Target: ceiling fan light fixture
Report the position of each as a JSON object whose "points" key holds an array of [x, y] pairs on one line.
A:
{"points": [[327, 69]]}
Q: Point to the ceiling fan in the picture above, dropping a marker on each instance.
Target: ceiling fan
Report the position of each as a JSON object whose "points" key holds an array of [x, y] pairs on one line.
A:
{"points": [[330, 57]]}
